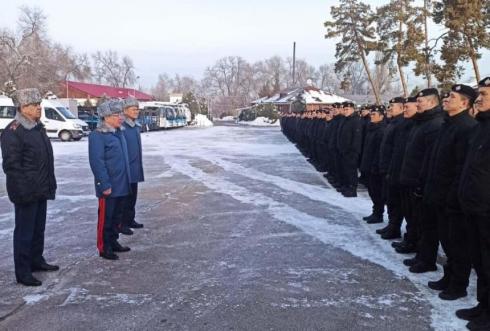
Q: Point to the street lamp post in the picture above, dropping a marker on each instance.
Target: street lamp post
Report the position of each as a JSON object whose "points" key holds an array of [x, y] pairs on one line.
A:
{"points": [[134, 87]]}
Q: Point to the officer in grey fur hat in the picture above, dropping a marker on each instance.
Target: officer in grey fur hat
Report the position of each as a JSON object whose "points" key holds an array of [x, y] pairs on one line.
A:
{"points": [[108, 157], [131, 132], [29, 169]]}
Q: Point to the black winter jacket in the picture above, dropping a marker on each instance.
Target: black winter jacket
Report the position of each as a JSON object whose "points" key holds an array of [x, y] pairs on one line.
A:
{"points": [[27, 161], [474, 186], [419, 146], [349, 138], [447, 160], [333, 132], [370, 156], [387, 144], [400, 138]]}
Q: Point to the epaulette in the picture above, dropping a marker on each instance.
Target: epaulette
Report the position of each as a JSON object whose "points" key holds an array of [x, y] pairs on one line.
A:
{"points": [[14, 125]]}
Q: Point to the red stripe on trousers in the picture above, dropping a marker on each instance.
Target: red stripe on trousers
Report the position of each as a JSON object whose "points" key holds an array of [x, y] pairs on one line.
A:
{"points": [[100, 225]]}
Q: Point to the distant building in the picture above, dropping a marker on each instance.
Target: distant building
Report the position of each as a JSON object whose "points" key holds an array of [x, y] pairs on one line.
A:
{"points": [[176, 97], [91, 93], [307, 98]]}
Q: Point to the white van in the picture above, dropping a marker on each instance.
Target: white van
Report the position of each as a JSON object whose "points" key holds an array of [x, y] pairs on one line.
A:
{"points": [[61, 123], [7, 111], [58, 120]]}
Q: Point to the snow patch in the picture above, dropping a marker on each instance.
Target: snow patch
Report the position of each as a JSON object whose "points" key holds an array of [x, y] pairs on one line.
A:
{"points": [[32, 299], [228, 119], [201, 121], [261, 121]]}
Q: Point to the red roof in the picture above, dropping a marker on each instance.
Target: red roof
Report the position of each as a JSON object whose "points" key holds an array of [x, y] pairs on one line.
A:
{"points": [[97, 91]]}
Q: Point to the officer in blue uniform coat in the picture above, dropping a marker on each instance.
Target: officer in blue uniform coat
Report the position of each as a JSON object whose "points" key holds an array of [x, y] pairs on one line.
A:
{"points": [[132, 134], [108, 157]]}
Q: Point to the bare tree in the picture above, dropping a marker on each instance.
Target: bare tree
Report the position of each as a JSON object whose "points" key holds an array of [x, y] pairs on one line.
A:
{"points": [[183, 84], [327, 78], [162, 89], [109, 69]]}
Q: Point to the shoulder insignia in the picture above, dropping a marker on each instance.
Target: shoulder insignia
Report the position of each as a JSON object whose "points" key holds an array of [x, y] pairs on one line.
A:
{"points": [[14, 125]]}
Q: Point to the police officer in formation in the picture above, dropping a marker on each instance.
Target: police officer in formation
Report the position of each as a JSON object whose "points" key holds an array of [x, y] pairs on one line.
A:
{"points": [[427, 158], [115, 160]]}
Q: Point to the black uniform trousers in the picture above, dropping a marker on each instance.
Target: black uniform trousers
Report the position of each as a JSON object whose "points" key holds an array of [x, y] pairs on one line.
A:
{"points": [[338, 168], [452, 231], [375, 190], [411, 206], [394, 205], [429, 236], [30, 222], [348, 172], [110, 217], [478, 227], [129, 205]]}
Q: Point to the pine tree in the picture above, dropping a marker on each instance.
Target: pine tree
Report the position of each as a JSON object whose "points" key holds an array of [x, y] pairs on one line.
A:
{"points": [[424, 59], [353, 22], [400, 32], [468, 24]]}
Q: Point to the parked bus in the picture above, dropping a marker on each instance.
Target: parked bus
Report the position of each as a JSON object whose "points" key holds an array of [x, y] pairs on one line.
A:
{"points": [[163, 115]]}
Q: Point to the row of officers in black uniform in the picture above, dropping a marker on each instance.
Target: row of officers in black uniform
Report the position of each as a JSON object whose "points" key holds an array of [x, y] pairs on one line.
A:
{"points": [[427, 159]]}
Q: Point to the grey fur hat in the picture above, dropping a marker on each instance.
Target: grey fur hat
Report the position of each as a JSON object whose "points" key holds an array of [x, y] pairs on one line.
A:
{"points": [[109, 108], [26, 97], [130, 102]]}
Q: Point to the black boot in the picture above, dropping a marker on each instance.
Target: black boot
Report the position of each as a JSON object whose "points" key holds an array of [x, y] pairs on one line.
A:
{"points": [[407, 248], [350, 192], [375, 219], [117, 247], [480, 323], [392, 233], [367, 218], [469, 314], [126, 231], [28, 280], [451, 294], [422, 267], [397, 244], [443, 283], [44, 267], [410, 262], [108, 254], [135, 225], [383, 230]]}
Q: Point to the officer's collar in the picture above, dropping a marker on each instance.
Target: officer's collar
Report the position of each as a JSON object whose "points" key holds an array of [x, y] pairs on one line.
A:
{"points": [[483, 116], [131, 123], [25, 122], [106, 128]]}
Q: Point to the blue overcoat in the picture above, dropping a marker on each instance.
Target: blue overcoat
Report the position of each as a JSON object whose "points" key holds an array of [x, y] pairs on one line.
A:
{"points": [[108, 157], [135, 155]]}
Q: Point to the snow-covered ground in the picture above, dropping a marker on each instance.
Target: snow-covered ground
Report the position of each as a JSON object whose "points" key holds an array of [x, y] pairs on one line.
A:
{"points": [[260, 121], [240, 232]]}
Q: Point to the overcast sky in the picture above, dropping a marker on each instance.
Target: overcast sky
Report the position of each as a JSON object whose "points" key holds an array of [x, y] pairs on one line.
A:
{"points": [[185, 36]]}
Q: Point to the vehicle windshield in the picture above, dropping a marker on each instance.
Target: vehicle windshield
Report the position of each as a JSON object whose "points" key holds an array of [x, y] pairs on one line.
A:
{"points": [[66, 113], [7, 112]]}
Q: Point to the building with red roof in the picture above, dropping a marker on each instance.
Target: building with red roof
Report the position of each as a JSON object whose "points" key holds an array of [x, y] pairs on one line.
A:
{"points": [[93, 92]]}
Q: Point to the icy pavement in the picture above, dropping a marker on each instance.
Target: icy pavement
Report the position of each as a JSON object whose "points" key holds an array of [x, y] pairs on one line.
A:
{"points": [[240, 233]]}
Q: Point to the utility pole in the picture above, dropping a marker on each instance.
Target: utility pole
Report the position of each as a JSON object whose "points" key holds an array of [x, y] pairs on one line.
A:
{"points": [[294, 64]]}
